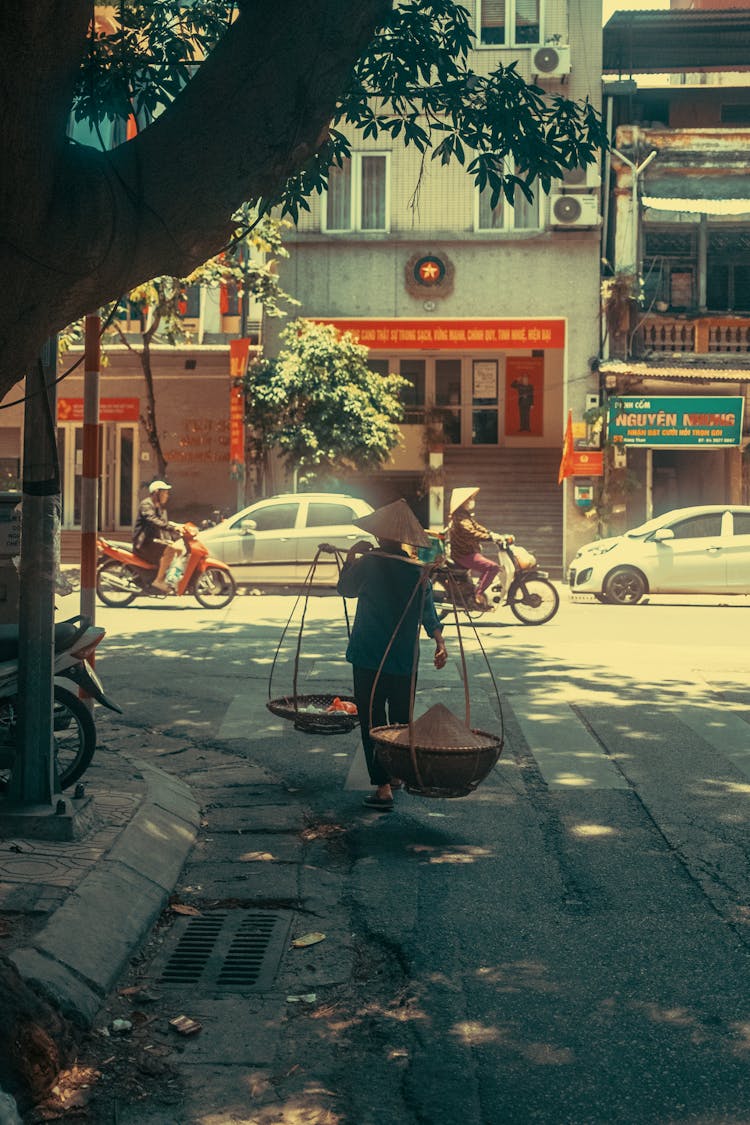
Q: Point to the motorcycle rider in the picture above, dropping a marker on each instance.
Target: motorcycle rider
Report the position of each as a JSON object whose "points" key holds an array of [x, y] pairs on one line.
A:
{"points": [[466, 536], [153, 533]]}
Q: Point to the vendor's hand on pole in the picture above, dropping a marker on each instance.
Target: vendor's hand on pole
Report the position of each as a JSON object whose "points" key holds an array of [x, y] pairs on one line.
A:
{"points": [[441, 653], [361, 547]]}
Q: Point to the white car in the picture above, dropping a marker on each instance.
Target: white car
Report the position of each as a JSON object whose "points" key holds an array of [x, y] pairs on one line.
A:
{"points": [[702, 550], [273, 541]]}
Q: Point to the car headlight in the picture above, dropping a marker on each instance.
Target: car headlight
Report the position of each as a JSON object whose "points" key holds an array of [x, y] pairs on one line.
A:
{"points": [[601, 550]]}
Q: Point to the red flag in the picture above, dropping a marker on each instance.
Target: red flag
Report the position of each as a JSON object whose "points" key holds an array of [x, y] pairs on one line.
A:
{"points": [[566, 464], [131, 129]]}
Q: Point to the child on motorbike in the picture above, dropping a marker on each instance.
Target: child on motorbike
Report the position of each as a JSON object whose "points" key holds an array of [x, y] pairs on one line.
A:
{"points": [[466, 536]]}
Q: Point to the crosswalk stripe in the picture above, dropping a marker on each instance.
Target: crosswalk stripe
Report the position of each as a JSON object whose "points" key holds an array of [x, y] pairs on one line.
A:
{"points": [[566, 753]]}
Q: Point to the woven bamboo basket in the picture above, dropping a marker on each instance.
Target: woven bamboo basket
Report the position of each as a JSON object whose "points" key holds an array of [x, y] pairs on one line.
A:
{"points": [[294, 707], [437, 755], [319, 721]]}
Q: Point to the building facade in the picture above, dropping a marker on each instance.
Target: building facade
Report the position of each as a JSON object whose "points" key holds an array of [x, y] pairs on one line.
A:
{"points": [[492, 314], [679, 246]]}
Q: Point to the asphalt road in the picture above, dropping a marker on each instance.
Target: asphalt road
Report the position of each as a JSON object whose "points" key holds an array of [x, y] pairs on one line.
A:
{"points": [[569, 945]]}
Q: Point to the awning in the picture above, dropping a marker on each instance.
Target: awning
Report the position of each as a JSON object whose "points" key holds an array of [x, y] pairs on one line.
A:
{"points": [[676, 368], [697, 206], [697, 182]]}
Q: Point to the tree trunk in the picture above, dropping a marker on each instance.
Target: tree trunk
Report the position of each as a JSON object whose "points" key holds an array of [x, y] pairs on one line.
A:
{"points": [[148, 420], [79, 228], [36, 1042]]}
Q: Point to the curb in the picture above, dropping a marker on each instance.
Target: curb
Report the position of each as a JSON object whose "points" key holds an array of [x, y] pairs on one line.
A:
{"points": [[75, 960]]}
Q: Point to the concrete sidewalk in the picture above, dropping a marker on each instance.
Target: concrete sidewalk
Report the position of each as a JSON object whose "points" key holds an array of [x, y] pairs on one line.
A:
{"points": [[74, 911]]}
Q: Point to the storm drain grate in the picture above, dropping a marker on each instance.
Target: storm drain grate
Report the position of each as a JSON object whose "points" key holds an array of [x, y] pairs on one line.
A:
{"points": [[237, 950]]}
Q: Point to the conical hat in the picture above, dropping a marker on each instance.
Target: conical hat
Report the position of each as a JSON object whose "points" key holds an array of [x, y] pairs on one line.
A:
{"points": [[397, 522], [440, 729], [459, 496]]}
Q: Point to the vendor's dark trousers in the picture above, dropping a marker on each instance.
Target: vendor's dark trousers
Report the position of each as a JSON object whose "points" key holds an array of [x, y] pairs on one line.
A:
{"points": [[390, 705]]}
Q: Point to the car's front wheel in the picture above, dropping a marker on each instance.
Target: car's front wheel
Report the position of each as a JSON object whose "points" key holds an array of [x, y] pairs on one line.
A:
{"points": [[625, 586]]}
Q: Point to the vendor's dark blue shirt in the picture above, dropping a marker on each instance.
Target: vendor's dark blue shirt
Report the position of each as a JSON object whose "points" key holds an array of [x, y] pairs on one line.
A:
{"points": [[383, 584]]}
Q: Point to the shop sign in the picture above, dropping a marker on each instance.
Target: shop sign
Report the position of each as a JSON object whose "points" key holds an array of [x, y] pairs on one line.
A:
{"points": [[110, 410], [453, 335], [688, 421], [237, 426], [239, 356], [587, 463]]}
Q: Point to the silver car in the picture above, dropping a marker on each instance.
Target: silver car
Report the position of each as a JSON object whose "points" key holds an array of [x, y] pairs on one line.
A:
{"points": [[274, 541], [701, 550]]}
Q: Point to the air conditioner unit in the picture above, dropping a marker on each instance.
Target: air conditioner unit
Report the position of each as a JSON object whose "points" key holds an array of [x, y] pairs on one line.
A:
{"points": [[574, 210], [578, 177], [551, 62]]}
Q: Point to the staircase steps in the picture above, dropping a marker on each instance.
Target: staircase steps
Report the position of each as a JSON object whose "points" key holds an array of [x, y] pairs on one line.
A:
{"points": [[519, 494]]}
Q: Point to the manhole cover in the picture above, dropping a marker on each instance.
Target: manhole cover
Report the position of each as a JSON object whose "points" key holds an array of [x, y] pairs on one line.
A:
{"points": [[237, 951]]}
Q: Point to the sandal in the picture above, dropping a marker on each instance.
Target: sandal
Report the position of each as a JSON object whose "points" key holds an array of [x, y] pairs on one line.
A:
{"points": [[379, 804]]}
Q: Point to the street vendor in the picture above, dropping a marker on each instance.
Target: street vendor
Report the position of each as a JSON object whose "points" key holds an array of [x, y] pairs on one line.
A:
{"points": [[383, 581], [466, 536]]}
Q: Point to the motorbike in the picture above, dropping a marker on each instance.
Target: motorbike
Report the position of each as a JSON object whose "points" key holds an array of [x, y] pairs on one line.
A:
{"points": [[73, 727], [122, 575], [520, 584], [218, 515]]}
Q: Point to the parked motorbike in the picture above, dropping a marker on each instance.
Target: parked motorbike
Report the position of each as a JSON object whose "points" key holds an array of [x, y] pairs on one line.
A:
{"points": [[122, 576], [218, 515], [73, 725], [520, 584]]}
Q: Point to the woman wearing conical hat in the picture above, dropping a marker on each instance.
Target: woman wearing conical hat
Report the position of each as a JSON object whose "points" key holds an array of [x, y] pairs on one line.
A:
{"points": [[383, 582], [466, 536]]}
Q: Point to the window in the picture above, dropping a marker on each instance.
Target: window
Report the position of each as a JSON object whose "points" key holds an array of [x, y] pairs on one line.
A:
{"points": [[728, 270], [327, 515], [412, 398], [697, 527], [735, 114], [509, 23], [741, 523], [358, 196], [521, 216], [448, 395], [279, 517], [669, 267]]}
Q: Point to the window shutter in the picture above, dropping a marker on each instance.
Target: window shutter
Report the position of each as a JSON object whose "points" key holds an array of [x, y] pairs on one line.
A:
{"points": [[493, 13]]}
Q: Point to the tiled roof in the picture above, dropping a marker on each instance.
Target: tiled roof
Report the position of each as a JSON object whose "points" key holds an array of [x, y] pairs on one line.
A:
{"points": [[726, 370]]}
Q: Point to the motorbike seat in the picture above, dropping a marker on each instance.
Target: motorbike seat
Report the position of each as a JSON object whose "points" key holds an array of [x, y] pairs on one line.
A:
{"points": [[66, 632]]}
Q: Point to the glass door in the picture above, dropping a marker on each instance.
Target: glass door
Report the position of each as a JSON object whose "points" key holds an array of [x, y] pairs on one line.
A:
{"points": [[70, 454], [126, 484]]}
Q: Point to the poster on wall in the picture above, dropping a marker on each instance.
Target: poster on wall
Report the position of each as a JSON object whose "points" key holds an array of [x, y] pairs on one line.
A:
{"points": [[484, 380], [524, 395]]}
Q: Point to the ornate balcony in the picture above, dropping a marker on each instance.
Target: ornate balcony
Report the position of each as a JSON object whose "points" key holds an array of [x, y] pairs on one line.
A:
{"points": [[702, 335]]}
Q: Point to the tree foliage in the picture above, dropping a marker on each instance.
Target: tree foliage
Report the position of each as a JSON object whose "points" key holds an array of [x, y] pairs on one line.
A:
{"points": [[321, 406], [248, 267], [235, 103]]}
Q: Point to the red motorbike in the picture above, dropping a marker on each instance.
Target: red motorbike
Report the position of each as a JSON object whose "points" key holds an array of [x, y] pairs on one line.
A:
{"points": [[122, 576]]}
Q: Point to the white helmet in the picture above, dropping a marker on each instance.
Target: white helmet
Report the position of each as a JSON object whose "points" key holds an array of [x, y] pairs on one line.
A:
{"points": [[158, 486]]}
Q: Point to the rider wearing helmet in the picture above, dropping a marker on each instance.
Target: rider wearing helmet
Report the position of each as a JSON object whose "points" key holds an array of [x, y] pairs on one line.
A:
{"points": [[153, 534], [466, 536]]}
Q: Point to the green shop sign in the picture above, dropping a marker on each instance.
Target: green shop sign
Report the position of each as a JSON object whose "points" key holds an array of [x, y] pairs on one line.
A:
{"points": [[688, 421]]}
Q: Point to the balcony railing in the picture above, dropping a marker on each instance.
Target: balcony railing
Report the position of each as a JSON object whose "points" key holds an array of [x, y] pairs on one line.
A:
{"points": [[701, 335]]}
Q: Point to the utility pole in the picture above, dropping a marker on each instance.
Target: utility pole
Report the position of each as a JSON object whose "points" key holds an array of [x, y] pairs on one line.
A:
{"points": [[90, 476], [636, 171], [35, 806], [32, 781]]}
